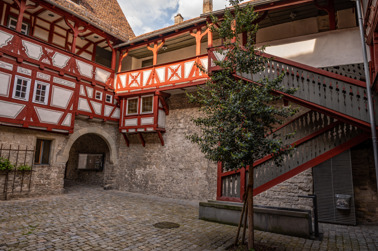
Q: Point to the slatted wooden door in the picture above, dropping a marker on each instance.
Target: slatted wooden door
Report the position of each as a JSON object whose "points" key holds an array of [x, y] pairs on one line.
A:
{"points": [[333, 177]]}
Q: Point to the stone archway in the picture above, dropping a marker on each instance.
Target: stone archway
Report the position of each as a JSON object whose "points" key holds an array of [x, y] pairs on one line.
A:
{"points": [[64, 154], [88, 161]]}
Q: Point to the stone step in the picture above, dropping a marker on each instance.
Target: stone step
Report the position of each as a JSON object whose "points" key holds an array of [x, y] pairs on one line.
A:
{"points": [[288, 221]]}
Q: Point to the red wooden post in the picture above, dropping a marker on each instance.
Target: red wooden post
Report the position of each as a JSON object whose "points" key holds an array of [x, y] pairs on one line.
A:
{"points": [[76, 32], [330, 9], [114, 55], [155, 50], [242, 183], [22, 7], [199, 35], [210, 38], [121, 57], [219, 180]]}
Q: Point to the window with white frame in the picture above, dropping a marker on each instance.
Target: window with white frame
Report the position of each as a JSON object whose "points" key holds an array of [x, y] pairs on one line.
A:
{"points": [[21, 88], [132, 106], [41, 92], [147, 104], [98, 95], [12, 24]]}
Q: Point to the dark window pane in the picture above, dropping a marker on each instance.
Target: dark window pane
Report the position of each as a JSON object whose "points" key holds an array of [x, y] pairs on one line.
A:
{"points": [[46, 151], [37, 151], [147, 104], [132, 106]]}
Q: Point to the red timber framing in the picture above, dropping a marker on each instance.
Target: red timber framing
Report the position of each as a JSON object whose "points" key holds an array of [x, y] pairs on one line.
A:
{"points": [[69, 79], [286, 175], [314, 162], [213, 56], [178, 74], [53, 25], [139, 122]]}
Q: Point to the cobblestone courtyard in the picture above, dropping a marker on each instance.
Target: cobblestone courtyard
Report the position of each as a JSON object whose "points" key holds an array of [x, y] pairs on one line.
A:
{"points": [[89, 218]]}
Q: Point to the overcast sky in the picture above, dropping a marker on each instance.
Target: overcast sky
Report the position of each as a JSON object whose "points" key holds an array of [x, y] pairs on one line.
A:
{"points": [[148, 15]]}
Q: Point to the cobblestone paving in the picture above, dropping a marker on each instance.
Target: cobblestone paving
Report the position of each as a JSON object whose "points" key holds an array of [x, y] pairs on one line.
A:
{"points": [[89, 218]]}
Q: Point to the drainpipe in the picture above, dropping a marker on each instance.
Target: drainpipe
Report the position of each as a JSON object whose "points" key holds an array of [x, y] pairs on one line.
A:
{"points": [[368, 90]]}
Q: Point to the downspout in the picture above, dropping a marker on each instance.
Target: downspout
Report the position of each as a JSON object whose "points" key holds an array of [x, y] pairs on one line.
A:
{"points": [[368, 90]]}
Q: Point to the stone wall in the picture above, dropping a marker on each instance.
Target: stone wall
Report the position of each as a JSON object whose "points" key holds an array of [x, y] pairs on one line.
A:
{"points": [[365, 183], [91, 136], [176, 170], [49, 179], [45, 179], [88, 143], [286, 194]]}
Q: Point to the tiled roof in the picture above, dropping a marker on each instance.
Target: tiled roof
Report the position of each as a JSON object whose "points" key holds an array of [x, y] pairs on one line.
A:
{"points": [[162, 30], [106, 14]]}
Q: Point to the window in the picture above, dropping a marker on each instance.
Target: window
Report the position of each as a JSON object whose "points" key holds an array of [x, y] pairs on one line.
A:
{"points": [[41, 92], [12, 24], [132, 106], [147, 104], [108, 98], [42, 151], [21, 88], [98, 95]]}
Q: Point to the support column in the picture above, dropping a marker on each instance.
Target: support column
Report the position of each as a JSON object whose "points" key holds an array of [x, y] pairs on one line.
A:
{"points": [[114, 55], [123, 54], [199, 35], [330, 9], [155, 50], [76, 31], [22, 7]]}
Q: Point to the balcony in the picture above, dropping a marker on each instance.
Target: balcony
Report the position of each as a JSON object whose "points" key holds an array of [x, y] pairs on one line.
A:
{"points": [[179, 74]]}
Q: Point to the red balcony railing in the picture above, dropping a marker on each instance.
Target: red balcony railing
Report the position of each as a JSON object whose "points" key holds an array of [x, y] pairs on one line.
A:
{"points": [[172, 75]]}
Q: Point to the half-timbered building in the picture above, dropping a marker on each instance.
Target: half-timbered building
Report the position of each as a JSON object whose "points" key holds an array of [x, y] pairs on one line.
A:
{"points": [[83, 99]]}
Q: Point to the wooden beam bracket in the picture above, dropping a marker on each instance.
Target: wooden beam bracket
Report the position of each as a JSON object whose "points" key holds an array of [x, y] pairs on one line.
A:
{"points": [[160, 137], [142, 139], [126, 139]]}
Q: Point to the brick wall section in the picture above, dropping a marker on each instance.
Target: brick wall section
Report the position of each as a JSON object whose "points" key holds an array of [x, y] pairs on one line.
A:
{"points": [[364, 182], [176, 170]]}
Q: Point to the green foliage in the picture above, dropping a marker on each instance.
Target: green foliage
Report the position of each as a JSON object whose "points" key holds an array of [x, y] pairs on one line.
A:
{"points": [[238, 115], [5, 165], [24, 168]]}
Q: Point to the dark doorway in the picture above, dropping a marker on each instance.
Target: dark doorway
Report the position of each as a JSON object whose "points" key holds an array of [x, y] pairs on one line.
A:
{"points": [[87, 162]]}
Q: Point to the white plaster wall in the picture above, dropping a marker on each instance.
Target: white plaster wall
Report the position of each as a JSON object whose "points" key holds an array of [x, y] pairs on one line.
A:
{"points": [[330, 48]]}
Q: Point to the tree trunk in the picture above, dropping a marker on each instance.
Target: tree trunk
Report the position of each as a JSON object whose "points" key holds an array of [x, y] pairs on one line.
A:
{"points": [[251, 237]]}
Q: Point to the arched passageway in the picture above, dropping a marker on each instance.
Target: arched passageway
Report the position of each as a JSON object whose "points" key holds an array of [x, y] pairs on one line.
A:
{"points": [[88, 160]]}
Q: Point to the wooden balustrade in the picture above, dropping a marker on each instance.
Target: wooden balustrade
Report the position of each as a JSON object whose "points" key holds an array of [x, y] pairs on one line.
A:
{"points": [[173, 75], [318, 138]]}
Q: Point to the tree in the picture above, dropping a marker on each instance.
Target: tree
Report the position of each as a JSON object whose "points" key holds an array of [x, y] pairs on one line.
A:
{"points": [[237, 114]]}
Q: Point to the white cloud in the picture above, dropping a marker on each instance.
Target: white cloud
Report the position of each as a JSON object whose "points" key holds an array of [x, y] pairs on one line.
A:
{"points": [[148, 15]]}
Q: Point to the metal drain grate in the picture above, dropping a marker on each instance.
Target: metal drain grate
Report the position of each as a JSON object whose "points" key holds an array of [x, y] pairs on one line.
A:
{"points": [[166, 225]]}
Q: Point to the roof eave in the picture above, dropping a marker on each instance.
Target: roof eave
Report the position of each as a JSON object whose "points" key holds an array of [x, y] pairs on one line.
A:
{"points": [[161, 32], [84, 19]]}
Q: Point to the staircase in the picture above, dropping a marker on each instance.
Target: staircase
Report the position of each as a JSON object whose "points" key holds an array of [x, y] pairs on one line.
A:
{"points": [[338, 120]]}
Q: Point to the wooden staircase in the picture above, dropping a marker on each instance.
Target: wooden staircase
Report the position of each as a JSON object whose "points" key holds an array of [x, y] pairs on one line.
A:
{"points": [[338, 120]]}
